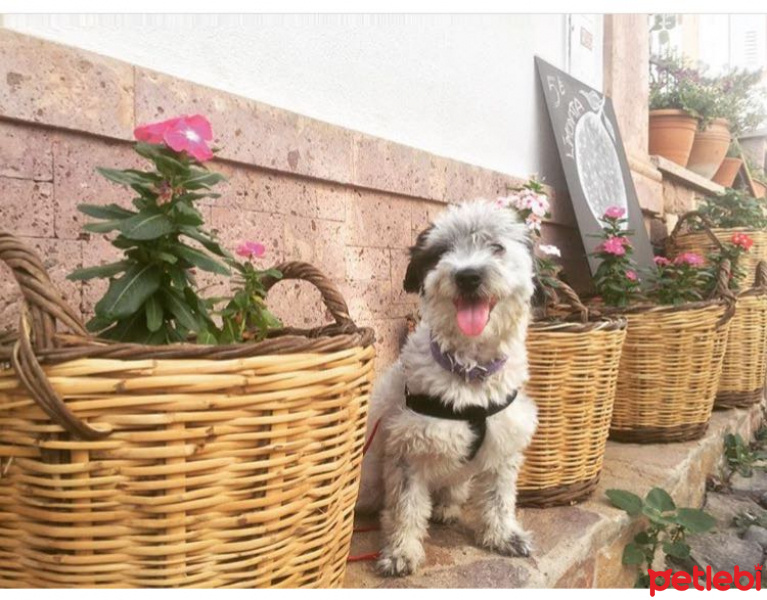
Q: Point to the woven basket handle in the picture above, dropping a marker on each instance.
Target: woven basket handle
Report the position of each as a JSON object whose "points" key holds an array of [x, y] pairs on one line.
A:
{"points": [[42, 306], [760, 281], [571, 300], [331, 297], [724, 292], [686, 218], [44, 302]]}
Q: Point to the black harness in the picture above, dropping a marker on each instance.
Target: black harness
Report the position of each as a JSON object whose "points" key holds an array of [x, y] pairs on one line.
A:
{"points": [[475, 416]]}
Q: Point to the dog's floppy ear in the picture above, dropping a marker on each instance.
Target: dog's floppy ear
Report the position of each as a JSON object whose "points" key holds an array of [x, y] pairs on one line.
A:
{"points": [[422, 260]]}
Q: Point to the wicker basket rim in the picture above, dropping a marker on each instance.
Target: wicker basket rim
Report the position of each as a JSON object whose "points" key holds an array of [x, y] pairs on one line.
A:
{"points": [[722, 230], [666, 308], [560, 325], [284, 341]]}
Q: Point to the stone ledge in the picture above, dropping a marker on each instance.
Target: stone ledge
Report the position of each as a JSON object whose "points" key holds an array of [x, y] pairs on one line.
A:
{"points": [[575, 546], [686, 177]]}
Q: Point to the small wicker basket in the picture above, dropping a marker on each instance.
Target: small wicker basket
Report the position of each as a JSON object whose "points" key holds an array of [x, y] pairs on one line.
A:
{"points": [[745, 359], [670, 369], [134, 466], [710, 239], [573, 374]]}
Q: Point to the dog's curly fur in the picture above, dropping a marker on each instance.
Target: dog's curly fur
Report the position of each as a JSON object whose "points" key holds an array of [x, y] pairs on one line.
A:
{"points": [[417, 465]]}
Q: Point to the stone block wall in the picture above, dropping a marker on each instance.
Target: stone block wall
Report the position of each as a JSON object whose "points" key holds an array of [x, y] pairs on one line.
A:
{"points": [[350, 203]]}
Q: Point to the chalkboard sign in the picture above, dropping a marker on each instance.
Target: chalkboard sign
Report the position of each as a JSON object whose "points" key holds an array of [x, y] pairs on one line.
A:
{"points": [[593, 159]]}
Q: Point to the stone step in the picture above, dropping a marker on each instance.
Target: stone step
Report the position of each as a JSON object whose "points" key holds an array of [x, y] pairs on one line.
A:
{"points": [[575, 546]]}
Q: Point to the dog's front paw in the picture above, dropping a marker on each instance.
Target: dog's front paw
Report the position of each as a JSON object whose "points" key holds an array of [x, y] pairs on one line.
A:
{"points": [[514, 544], [398, 563]]}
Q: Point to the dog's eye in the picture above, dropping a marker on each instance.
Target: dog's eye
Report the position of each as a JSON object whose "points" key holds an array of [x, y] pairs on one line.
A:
{"points": [[497, 249]]}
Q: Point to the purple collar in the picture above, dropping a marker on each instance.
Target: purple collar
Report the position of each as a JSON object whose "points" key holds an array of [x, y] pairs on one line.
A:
{"points": [[479, 373]]}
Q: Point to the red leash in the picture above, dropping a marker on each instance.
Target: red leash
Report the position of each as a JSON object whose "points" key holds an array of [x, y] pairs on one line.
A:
{"points": [[369, 555]]}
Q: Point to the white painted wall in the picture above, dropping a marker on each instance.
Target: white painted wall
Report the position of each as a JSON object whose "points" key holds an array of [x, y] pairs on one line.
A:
{"points": [[461, 86]]}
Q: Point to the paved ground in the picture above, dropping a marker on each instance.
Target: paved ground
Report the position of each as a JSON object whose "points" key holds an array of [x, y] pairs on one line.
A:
{"points": [[575, 546]]}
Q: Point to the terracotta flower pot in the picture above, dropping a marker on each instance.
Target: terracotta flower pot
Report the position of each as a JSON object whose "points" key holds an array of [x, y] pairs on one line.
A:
{"points": [[728, 171], [672, 133], [709, 149], [760, 189]]}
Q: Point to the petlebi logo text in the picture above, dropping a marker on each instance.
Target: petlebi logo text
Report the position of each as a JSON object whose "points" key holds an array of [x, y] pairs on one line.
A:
{"points": [[705, 579]]}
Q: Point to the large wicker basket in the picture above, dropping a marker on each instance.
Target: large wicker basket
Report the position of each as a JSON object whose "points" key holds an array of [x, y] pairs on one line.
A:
{"points": [[177, 466], [745, 359], [573, 374], [670, 369], [709, 239]]}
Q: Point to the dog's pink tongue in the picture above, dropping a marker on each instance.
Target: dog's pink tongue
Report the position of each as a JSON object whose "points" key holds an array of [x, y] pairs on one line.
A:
{"points": [[472, 315]]}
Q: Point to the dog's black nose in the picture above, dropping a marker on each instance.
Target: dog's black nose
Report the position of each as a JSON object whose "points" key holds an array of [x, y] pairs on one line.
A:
{"points": [[468, 280]]}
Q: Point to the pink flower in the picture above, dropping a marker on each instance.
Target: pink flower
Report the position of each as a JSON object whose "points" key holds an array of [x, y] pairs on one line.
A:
{"points": [[549, 250], [539, 205], [689, 258], [662, 261], [614, 245], [631, 276], [251, 249], [615, 212], [188, 133], [153, 133], [533, 223]]}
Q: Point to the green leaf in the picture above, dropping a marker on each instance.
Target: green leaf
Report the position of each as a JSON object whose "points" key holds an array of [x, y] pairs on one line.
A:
{"points": [[676, 549], [187, 215], [201, 179], [103, 227], [166, 257], [100, 271], [148, 150], [154, 313], [642, 538], [632, 554], [207, 242], [180, 310], [146, 226], [179, 277], [124, 243], [657, 517], [659, 499], [695, 520], [126, 177], [126, 295], [200, 259], [110, 211], [206, 337], [131, 329], [97, 324], [631, 503], [169, 165]]}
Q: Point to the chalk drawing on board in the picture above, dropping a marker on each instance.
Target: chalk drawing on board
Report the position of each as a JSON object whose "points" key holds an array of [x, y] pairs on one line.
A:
{"points": [[596, 158], [594, 162]]}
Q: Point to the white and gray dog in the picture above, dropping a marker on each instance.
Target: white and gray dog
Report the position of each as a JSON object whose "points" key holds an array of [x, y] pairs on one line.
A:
{"points": [[450, 413]]}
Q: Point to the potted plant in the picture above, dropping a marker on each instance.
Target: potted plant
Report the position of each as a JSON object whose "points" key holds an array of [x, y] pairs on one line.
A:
{"points": [[728, 170], [675, 101], [672, 357], [735, 107], [176, 424], [722, 216], [743, 370], [573, 358]]}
